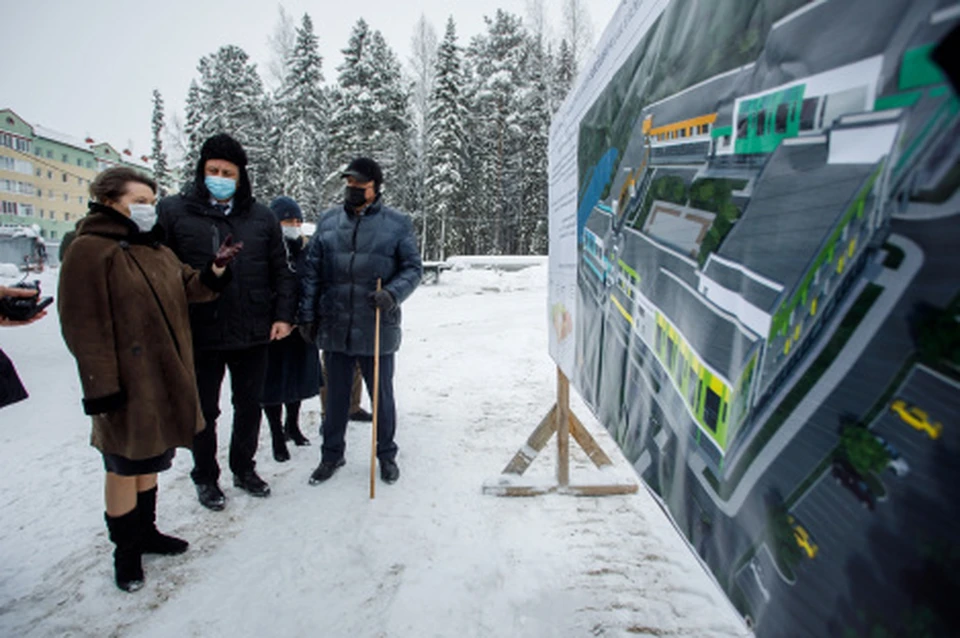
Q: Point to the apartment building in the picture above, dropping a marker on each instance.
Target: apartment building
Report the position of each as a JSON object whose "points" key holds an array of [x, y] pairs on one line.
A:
{"points": [[45, 174]]}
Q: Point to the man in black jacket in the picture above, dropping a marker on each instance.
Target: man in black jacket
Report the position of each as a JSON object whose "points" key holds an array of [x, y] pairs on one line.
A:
{"points": [[233, 332], [356, 244]]}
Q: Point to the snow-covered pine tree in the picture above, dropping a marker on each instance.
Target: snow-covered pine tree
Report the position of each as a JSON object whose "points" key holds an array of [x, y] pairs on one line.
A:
{"points": [[474, 219], [535, 125], [498, 60], [370, 114], [422, 71], [563, 75], [161, 171], [233, 101], [350, 105], [445, 156], [192, 133], [300, 135]]}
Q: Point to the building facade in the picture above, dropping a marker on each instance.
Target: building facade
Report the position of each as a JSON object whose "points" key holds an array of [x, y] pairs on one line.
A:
{"points": [[45, 175]]}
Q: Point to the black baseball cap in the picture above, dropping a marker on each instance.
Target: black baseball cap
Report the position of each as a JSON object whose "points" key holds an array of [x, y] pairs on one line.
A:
{"points": [[364, 169]]}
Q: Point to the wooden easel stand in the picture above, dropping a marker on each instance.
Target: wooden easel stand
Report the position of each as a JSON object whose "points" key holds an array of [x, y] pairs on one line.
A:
{"points": [[562, 421]]}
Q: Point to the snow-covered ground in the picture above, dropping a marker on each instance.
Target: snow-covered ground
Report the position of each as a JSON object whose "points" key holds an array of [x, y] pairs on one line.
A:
{"points": [[430, 556]]}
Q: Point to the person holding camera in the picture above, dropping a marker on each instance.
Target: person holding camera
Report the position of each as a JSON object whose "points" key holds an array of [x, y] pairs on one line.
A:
{"points": [[123, 299], [18, 307]]}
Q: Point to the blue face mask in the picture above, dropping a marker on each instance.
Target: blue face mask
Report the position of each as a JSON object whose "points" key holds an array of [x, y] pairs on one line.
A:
{"points": [[222, 188]]}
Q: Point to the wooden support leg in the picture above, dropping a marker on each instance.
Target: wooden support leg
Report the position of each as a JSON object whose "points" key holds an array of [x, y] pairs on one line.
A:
{"points": [[563, 429], [524, 457], [559, 419], [587, 442]]}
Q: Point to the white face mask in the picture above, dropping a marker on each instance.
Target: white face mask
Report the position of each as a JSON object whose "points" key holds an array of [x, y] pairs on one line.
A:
{"points": [[292, 232], [144, 216]]}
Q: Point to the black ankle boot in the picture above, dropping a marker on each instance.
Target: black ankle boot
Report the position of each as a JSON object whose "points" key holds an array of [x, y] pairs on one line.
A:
{"points": [[280, 451], [293, 432], [125, 534], [151, 540]]}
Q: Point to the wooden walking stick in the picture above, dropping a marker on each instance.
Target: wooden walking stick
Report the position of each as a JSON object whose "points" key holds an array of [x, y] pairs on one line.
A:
{"points": [[376, 399]]}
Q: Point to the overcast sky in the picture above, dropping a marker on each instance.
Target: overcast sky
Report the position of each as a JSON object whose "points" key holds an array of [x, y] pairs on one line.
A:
{"points": [[88, 67]]}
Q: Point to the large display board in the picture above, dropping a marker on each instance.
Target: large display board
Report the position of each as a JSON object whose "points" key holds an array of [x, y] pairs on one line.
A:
{"points": [[754, 248]]}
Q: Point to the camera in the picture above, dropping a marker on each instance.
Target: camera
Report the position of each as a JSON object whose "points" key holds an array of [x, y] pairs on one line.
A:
{"points": [[24, 308]]}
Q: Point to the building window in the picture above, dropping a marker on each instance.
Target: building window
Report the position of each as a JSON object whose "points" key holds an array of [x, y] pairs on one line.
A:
{"points": [[26, 210], [53, 234], [49, 174], [41, 213], [79, 162], [64, 158], [80, 199], [66, 197], [89, 163], [780, 123], [8, 208], [711, 409], [64, 178], [66, 217], [49, 154], [39, 173]]}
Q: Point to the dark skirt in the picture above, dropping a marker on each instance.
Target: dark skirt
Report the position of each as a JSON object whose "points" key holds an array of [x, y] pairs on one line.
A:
{"points": [[293, 371], [134, 467]]}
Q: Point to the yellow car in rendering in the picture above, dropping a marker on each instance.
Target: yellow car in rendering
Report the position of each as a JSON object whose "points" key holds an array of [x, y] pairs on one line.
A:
{"points": [[803, 538], [917, 418]]}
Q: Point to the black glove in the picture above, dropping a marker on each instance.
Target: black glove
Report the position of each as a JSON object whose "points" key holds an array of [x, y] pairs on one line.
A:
{"points": [[308, 331], [382, 299]]}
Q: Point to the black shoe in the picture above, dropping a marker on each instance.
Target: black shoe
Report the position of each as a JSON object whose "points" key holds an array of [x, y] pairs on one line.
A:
{"points": [[361, 415], [325, 470], [210, 496], [252, 484], [389, 471]]}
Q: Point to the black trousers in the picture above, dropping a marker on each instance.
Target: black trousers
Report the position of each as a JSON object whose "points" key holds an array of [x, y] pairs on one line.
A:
{"points": [[247, 369], [339, 369]]}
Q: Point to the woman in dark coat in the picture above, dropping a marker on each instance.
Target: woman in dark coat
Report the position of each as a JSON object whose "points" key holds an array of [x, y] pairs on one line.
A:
{"points": [[123, 311], [293, 364]]}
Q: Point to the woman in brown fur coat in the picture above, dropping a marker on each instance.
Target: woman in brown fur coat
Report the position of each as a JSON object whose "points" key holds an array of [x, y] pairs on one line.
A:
{"points": [[123, 299]]}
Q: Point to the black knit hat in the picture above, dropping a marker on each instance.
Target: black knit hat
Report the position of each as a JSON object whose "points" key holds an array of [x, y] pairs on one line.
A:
{"points": [[285, 208], [365, 170], [223, 147]]}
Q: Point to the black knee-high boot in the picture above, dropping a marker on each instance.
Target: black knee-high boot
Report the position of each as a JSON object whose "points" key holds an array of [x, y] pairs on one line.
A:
{"points": [[274, 413], [151, 540], [125, 534], [292, 425]]}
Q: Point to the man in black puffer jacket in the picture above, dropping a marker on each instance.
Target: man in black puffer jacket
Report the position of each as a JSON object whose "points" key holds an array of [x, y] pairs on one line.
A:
{"points": [[354, 245], [233, 332]]}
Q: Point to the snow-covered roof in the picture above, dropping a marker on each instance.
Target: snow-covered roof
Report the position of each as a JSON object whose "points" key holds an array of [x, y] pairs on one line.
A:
{"points": [[60, 138], [76, 142]]}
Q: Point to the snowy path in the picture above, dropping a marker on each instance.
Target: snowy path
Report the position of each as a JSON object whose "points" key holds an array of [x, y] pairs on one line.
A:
{"points": [[431, 556]]}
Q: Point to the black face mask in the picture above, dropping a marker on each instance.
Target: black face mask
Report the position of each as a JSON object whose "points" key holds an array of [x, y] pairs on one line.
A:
{"points": [[355, 197]]}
